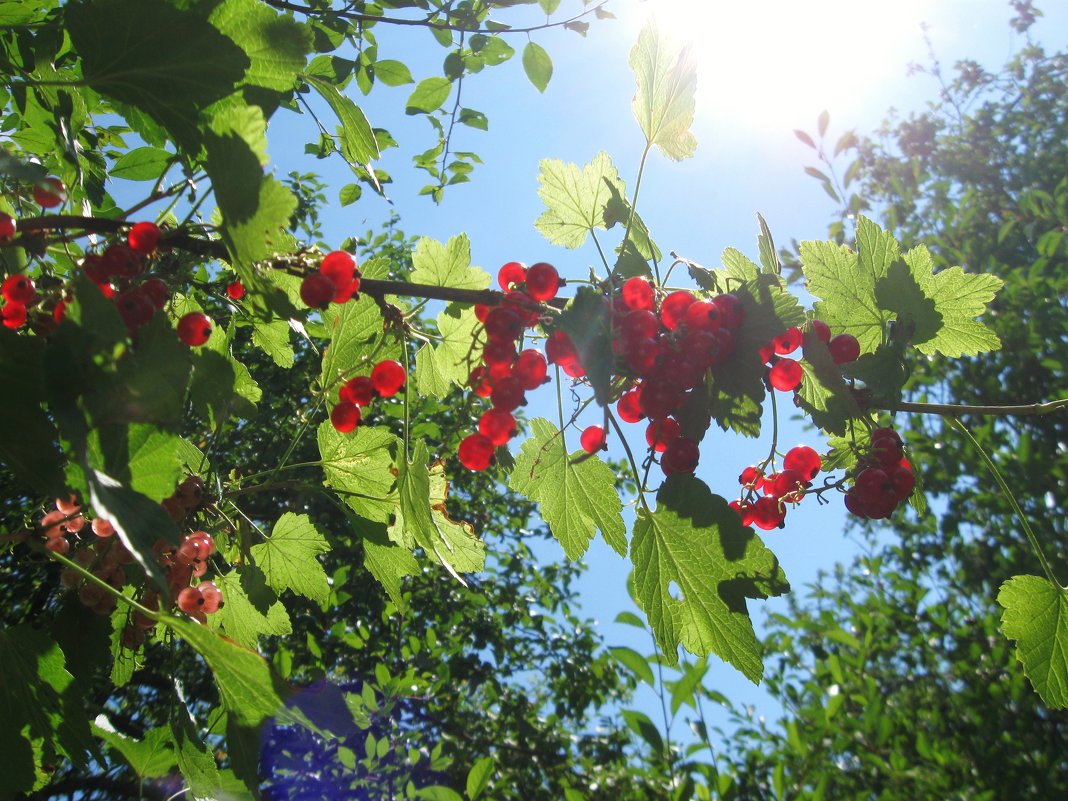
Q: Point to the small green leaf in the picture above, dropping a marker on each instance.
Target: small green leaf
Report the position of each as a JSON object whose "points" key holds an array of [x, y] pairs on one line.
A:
{"points": [[447, 265], [575, 198], [358, 143], [634, 662], [151, 757], [392, 73], [664, 103], [141, 164], [548, 6], [251, 609], [429, 95], [478, 778], [442, 366], [289, 560], [538, 65], [1036, 616], [387, 562], [766, 245], [576, 498], [359, 466]]}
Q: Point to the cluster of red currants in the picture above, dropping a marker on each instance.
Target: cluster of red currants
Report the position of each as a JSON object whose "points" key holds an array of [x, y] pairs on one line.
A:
{"points": [[784, 373], [664, 347], [508, 373], [883, 478], [386, 380], [767, 510], [336, 281]]}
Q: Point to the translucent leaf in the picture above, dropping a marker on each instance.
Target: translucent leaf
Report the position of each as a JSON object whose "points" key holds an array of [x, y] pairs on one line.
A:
{"points": [[429, 94], [538, 65], [635, 663], [387, 562], [823, 392], [355, 330], [151, 757], [250, 608], [276, 44], [478, 778], [289, 560], [443, 365], [576, 499], [392, 73], [358, 143], [447, 265], [141, 456], [359, 466], [575, 198], [141, 164], [694, 567], [664, 102], [1036, 616]]}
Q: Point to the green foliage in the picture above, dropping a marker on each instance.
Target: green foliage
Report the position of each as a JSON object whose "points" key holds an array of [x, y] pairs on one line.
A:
{"points": [[664, 103], [1036, 616], [575, 198]]}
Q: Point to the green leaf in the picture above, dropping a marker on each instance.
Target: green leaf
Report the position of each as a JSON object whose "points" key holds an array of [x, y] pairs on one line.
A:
{"points": [[151, 55], [634, 662], [141, 456], [1036, 616], [683, 691], [250, 608], [548, 6], [575, 198], [664, 102], [272, 337], [447, 265], [355, 330], [249, 691], [41, 708], [387, 561], [288, 558], [478, 778], [442, 366], [141, 164], [823, 392], [358, 143], [940, 309], [392, 73], [538, 65], [576, 498], [429, 95], [421, 491], [640, 724], [151, 757], [695, 546], [276, 44], [587, 323], [359, 466], [766, 245]]}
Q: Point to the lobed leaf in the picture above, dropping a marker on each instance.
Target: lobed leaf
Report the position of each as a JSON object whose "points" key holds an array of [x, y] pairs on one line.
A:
{"points": [[1036, 616], [575, 198]]}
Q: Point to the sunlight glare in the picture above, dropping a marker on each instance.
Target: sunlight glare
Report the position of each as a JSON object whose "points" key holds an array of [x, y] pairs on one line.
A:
{"points": [[775, 64]]}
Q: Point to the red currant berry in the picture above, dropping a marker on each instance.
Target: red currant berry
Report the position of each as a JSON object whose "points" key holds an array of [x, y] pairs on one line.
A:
{"points": [[658, 399], [345, 417], [629, 407], [823, 331], [190, 600], [481, 312], [638, 294], [235, 290], [121, 260], [14, 315], [531, 369], [731, 310], [844, 348], [507, 394], [543, 282], [787, 342], [504, 323], [387, 377], [514, 272], [7, 227], [339, 267], [904, 483], [476, 452], [702, 316], [317, 290], [157, 291], [60, 545], [744, 510], [674, 307], [212, 596], [785, 375], [19, 288], [804, 460], [639, 324], [661, 433], [559, 348], [499, 352], [751, 478], [789, 485], [194, 329], [768, 513], [681, 456], [50, 193], [479, 382], [135, 307], [593, 439], [359, 390], [103, 528], [143, 238], [497, 425]]}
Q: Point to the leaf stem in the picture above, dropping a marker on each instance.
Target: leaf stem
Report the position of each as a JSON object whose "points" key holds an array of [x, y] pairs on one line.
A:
{"points": [[1011, 498], [954, 410], [90, 577]]}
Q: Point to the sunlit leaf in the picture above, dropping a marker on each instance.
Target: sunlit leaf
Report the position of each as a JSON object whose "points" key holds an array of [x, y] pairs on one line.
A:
{"points": [[1036, 616], [664, 103]]}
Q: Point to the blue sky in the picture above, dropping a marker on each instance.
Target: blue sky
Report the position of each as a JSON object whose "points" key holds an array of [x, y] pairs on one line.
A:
{"points": [[763, 71]]}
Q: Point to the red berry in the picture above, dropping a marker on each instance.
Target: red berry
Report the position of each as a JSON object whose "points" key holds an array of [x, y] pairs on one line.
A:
{"points": [[481, 312], [702, 316], [157, 291], [639, 324], [787, 342], [731, 310], [674, 307], [785, 375], [744, 510], [504, 323], [476, 452], [593, 439], [50, 193], [7, 227], [661, 433], [844, 348], [497, 425], [789, 485], [543, 282], [135, 307], [768, 513], [507, 394], [531, 369], [638, 294], [904, 483], [103, 528], [804, 460], [14, 314], [212, 596], [190, 600], [60, 545], [143, 237], [194, 329], [823, 331], [235, 290], [751, 478], [658, 399], [479, 382], [387, 377], [498, 352], [345, 417], [121, 260], [19, 288], [629, 407], [339, 267], [359, 390], [681, 456], [514, 272], [317, 290]]}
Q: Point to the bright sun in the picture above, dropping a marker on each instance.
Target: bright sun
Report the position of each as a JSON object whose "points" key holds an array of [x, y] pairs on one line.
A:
{"points": [[775, 64]]}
